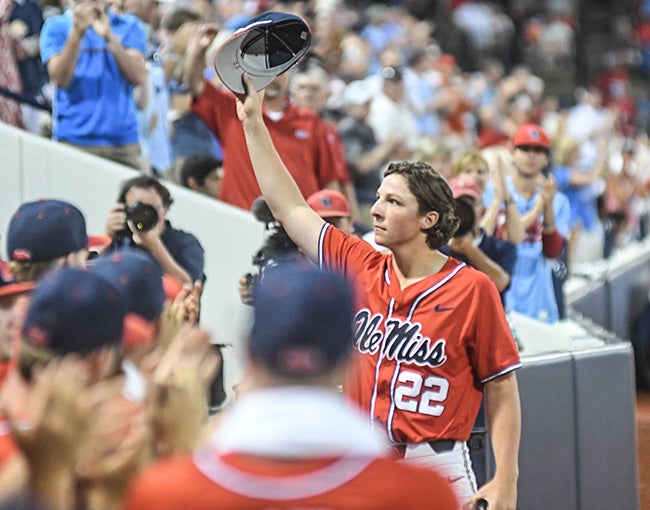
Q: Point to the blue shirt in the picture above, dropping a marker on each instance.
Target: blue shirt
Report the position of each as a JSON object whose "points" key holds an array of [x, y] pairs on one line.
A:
{"points": [[97, 107], [582, 199], [531, 291]]}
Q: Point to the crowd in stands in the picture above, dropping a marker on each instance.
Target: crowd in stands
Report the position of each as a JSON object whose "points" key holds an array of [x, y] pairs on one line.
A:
{"points": [[389, 81], [540, 185]]}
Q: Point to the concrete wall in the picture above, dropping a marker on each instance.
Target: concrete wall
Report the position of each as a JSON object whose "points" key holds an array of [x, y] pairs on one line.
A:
{"points": [[34, 167]]}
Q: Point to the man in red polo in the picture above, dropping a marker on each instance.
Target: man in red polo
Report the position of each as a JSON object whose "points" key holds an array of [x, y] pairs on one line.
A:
{"points": [[298, 133]]}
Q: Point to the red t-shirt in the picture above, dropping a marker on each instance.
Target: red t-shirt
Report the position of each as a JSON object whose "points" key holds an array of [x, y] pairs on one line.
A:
{"points": [[423, 352], [242, 482], [299, 138]]}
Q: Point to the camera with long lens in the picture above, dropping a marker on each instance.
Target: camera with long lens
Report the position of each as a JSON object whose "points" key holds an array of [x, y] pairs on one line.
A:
{"points": [[278, 247], [143, 216], [466, 214]]}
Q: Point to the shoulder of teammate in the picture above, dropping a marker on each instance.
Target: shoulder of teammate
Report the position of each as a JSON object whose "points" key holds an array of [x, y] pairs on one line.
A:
{"points": [[162, 483]]}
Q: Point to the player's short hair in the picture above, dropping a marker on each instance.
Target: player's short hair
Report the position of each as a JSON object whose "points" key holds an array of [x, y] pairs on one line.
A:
{"points": [[146, 182], [432, 193]]}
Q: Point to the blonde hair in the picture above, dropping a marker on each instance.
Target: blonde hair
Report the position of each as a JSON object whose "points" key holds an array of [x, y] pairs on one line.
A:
{"points": [[30, 271], [429, 149], [499, 153], [467, 158], [564, 147]]}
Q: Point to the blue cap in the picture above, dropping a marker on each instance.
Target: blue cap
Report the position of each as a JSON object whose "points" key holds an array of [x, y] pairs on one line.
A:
{"points": [[303, 320], [74, 311], [45, 230], [138, 276], [265, 48]]}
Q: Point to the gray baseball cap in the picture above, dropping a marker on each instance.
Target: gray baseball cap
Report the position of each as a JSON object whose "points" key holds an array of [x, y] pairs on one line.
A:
{"points": [[265, 48]]}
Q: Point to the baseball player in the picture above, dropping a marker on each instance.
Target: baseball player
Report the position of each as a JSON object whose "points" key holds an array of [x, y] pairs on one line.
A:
{"points": [[430, 332], [290, 440]]}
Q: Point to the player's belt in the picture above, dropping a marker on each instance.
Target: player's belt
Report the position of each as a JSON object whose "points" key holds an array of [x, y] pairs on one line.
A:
{"points": [[438, 446], [442, 445]]}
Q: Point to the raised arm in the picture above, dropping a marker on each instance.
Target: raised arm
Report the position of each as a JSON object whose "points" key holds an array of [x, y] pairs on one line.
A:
{"points": [[130, 61], [278, 187], [194, 62], [61, 66]]}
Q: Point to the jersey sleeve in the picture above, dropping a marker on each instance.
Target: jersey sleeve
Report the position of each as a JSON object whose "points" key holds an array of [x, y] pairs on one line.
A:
{"points": [[53, 37], [345, 254], [134, 37], [493, 352]]}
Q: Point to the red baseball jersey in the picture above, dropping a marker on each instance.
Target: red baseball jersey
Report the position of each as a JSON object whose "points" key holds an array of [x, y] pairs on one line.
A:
{"points": [[299, 137], [236, 481], [424, 352]]}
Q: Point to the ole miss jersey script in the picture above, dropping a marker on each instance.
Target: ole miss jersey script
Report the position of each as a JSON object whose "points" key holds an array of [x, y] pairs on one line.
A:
{"points": [[424, 352]]}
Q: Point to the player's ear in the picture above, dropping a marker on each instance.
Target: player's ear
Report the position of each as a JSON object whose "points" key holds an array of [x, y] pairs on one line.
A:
{"points": [[429, 219]]}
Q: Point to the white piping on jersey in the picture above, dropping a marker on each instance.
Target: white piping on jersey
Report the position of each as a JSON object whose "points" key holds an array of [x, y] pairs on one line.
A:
{"points": [[416, 302], [279, 488], [321, 243], [380, 357], [500, 373], [469, 471], [391, 409]]}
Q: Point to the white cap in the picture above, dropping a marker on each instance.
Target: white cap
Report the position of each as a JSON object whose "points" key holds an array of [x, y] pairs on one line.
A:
{"points": [[357, 93]]}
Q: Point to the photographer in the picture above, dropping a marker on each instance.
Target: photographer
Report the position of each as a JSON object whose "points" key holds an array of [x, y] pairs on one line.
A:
{"points": [[495, 257], [138, 219], [330, 205]]}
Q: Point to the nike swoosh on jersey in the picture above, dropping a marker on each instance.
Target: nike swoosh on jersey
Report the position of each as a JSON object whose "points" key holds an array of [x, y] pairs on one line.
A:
{"points": [[454, 480], [439, 308]]}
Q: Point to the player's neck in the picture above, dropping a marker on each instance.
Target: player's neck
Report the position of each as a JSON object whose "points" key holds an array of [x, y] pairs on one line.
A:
{"points": [[413, 267]]}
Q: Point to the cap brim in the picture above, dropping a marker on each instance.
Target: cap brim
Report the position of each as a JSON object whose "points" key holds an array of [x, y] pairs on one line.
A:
{"points": [[228, 66], [11, 289], [98, 241], [330, 213], [262, 51]]}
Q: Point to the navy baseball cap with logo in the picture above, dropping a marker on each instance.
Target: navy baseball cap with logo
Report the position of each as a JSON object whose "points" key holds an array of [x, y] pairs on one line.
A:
{"points": [[45, 230], [74, 311], [139, 278], [302, 320], [265, 48]]}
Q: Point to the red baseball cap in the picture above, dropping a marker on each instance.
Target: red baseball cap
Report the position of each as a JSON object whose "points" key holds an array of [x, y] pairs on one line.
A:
{"points": [[465, 187], [329, 204], [531, 134]]}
